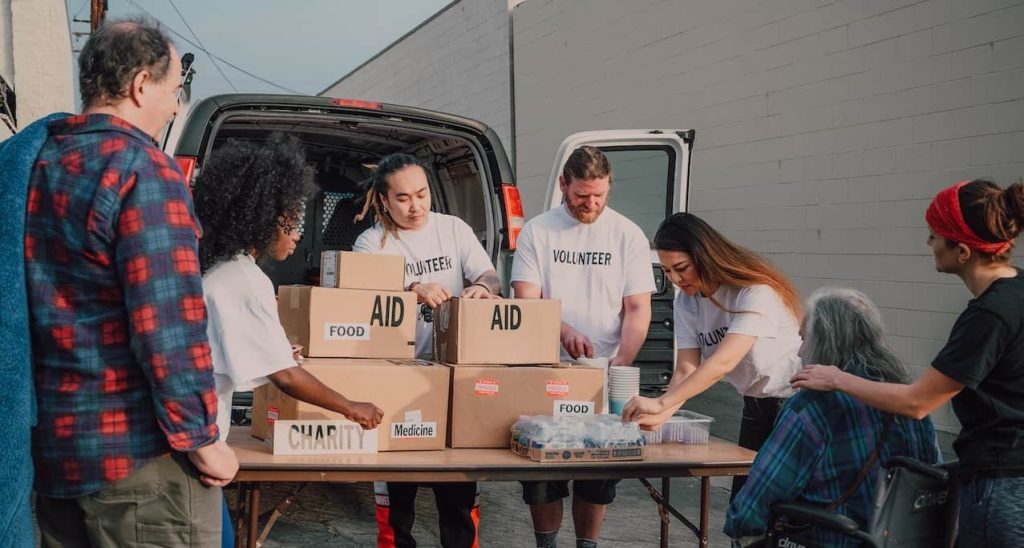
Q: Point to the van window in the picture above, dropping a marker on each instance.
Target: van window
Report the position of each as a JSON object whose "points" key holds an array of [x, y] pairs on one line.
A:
{"points": [[643, 184]]}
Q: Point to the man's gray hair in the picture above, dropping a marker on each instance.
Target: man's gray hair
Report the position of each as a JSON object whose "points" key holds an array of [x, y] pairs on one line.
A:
{"points": [[844, 328]]}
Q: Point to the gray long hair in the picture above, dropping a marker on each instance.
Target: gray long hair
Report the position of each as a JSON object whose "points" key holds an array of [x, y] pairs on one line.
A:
{"points": [[844, 328]]}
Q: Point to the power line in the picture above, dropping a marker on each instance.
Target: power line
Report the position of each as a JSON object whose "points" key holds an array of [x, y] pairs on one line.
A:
{"points": [[196, 36], [221, 59]]}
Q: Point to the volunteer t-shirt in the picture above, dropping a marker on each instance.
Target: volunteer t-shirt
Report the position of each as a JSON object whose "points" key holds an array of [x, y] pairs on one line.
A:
{"points": [[757, 311], [985, 352], [589, 267], [445, 252], [247, 342]]}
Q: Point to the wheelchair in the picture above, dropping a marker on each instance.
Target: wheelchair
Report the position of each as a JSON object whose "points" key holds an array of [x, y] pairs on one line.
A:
{"points": [[915, 507]]}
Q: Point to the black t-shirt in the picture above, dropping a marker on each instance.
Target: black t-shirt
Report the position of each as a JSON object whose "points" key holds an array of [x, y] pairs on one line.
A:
{"points": [[985, 352]]}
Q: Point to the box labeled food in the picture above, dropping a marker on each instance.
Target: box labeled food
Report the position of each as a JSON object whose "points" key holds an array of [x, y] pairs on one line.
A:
{"points": [[412, 393], [487, 399], [349, 323], [374, 271], [498, 331]]}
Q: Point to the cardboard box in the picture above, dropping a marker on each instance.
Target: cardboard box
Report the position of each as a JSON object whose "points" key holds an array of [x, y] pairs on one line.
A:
{"points": [[349, 323], [578, 455], [498, 331], [487, 400], [348, 270], [413, 395]]}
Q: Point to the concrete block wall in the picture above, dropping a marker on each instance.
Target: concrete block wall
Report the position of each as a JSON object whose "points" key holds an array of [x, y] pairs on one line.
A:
{"points": [[35, 57], [823, 127], [456, 62]]}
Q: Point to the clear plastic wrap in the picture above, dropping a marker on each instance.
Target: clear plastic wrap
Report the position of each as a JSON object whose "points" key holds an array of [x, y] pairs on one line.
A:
{"points": [[576, 432]]}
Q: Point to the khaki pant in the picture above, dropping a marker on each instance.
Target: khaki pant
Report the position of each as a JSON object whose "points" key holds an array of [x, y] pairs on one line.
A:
{"points": [[160, 504]]}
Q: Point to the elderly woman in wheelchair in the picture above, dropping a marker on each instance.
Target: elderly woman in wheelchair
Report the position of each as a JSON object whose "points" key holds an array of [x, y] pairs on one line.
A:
{"points": [[825, 453]]}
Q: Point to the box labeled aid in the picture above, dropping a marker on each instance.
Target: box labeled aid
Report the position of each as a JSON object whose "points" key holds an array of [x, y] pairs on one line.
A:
{"points": [[498, 331], [349, 323]]}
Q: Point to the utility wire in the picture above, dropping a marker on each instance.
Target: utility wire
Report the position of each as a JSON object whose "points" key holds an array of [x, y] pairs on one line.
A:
{"points": [[221, 59], [196, 36]]}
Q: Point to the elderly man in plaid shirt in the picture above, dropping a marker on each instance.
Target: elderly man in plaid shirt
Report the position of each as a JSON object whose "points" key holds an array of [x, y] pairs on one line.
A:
{"points": [[126, 448]]}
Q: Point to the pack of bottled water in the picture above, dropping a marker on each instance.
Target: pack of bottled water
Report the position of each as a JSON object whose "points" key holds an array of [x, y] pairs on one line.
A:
{"points": [[576, 432]]}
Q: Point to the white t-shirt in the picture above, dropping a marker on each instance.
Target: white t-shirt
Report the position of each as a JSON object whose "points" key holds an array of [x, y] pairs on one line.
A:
{"points": [[247, 342], [444, 252], [760, 312], [589, 267]]}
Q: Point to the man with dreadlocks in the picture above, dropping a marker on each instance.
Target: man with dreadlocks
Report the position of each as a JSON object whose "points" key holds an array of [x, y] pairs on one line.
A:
{"points": [[442, 258]]}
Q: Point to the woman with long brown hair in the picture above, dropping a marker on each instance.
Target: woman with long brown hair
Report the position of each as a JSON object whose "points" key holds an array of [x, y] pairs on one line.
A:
{"points": [[736, 317], [972, 226]]}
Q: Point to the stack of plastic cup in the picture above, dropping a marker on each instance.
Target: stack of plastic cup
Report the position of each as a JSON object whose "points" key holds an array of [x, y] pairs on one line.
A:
{"points": [[623, 384]]}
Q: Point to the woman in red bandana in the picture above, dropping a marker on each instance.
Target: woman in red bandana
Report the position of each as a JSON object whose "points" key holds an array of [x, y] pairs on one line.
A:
{"points": [[981, 367]]}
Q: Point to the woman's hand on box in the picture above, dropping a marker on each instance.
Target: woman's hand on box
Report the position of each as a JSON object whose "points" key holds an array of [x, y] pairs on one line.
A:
{"points": [[431, 294], [365, 414]]}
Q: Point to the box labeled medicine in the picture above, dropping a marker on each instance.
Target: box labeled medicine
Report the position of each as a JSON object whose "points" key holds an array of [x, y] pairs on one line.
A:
{"points": [[412, 393]]}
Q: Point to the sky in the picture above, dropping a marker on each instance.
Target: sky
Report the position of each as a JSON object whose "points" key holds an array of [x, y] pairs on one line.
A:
{"points": [[301, 45]]}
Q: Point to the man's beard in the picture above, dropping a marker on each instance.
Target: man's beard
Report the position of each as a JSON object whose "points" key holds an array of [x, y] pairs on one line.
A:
{"points": [[586, 217]]}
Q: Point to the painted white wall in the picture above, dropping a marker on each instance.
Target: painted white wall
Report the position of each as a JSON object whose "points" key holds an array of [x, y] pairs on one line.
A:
{"points": [[823, 127], [35, 57], [456, 62]]}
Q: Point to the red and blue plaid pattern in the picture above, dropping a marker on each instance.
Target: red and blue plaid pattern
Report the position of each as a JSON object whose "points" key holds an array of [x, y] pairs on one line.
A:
{"points": [[818, 446], [122, 365]]}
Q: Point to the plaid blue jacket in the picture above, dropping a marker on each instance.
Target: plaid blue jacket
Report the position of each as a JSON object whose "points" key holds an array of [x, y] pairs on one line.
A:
{"points": [[122, 365], [819, 444]]}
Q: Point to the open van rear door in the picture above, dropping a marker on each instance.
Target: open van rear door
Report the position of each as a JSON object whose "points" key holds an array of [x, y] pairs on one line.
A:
{"points": [[651, 171]]}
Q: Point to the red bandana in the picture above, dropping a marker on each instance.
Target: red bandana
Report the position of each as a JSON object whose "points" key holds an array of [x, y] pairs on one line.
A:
{"points": [[946, 220]]}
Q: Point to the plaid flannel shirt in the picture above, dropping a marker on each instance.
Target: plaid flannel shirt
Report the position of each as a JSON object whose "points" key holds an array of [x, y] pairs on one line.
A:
{"points": [[122, 365], [818, 446]]}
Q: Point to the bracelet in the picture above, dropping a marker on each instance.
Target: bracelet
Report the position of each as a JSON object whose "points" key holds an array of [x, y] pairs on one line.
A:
{"points": [[481, 284], [412, 286]]}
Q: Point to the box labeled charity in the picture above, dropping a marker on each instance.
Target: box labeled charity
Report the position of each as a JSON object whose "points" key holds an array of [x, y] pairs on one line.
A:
{"points": [[412, 393]]}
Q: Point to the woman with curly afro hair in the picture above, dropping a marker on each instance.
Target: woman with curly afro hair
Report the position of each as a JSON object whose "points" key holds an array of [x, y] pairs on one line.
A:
{"points": [[249, 199]]}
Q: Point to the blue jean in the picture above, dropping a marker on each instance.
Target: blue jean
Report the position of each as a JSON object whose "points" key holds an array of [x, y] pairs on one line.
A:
{"points": [[991, 512], [227, 533]]}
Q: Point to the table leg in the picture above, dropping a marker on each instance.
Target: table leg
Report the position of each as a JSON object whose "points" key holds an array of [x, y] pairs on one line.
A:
{"points": [[666, 487], [240, 513], [705, 510], [254, 514]]}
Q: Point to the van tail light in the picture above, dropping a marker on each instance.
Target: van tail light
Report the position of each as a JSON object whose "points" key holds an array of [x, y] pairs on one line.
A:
{"points": [[188, 167], [514, 218], [355, 103]]}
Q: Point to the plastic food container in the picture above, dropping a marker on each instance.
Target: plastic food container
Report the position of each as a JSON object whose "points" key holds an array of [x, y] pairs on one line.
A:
{"points": [[686, 427], [651, 436]]}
